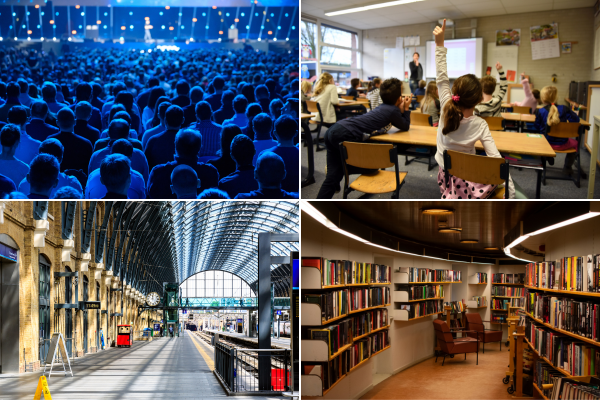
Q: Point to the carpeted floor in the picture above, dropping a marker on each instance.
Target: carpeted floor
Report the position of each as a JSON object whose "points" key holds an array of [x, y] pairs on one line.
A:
{"points": [[457, 379], [422, 184]]}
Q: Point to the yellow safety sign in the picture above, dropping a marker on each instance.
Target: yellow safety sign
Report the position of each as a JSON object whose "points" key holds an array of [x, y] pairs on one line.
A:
{"points": [[42, 387]]}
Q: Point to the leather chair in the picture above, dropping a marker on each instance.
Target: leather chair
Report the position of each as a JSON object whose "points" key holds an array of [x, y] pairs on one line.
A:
{"points": [[450, 345], [474, 323]]}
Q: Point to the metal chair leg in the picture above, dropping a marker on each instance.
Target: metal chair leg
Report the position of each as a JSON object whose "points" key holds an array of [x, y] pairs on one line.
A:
{"points": [[444, 360], [483, 347]]}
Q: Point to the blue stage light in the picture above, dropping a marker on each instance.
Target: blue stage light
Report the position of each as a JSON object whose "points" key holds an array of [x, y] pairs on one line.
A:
{"points": [[243, 15], [287, 15], [206, 26], [262, 27], [82, 14], [293, 28], [130, 26], [10, 27], [105, 14], [80, 27], [247, 26], [272, 15], [24, 27], [278, 27], [163, 27], [105, 27], [256, 14], [182, 27], [227, 14], [42, 13], [38, 27], [130, 12], [15, 14], [204, 14], [160, 13], [57, 13]]}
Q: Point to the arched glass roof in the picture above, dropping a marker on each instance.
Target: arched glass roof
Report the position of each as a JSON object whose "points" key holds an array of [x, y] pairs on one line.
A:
{"points": [[213, 284], [224, 235]]}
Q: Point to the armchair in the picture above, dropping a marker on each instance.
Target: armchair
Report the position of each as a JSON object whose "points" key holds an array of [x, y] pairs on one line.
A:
{"points": [[450, 345], [474, 323]]}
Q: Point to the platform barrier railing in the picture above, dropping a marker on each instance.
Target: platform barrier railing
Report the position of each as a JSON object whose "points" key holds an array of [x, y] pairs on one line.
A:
{"points": [[238, 369]]}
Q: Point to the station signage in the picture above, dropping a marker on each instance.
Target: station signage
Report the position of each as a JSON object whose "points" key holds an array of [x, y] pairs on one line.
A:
{"points": [[8, 252], [89, 305]]}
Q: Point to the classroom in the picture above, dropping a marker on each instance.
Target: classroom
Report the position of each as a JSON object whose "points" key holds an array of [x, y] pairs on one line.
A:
{"points": [[413, 99]]}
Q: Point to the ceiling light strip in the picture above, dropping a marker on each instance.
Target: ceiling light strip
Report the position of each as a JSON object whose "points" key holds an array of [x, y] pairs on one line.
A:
{"points": [[369, 7]]}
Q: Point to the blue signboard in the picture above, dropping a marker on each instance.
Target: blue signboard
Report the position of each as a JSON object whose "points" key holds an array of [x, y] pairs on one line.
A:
{"points": [[278, 312], [156, 327], [295, 274], [8, 252]]}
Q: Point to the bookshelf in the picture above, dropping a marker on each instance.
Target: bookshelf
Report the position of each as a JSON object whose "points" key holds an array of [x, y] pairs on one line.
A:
{"points": [[317, 352], [480, 278]]}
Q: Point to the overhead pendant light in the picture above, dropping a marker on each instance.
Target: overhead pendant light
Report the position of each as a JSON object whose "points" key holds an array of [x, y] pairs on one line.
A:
{"points": [[491, 248], [437, 211], [443, 225], [368, 7], [449, 230], [469, 241]]}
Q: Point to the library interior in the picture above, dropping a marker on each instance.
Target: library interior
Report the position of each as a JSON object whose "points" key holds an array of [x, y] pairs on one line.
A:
{"points": [[502, 94], [450, 300]]}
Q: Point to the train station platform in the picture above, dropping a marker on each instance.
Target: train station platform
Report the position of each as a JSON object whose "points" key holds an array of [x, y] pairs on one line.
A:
{"points": [[281, 343], [165, 368]]}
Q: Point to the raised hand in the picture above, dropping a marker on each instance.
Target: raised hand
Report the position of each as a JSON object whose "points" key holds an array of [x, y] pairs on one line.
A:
{"points": [[498, 66], [439, 33]]}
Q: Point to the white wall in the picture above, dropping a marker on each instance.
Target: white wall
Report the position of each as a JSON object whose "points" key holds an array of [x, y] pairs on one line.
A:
{"points": [[574, 240]]}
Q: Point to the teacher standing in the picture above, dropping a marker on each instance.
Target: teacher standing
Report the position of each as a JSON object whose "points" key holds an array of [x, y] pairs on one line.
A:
{"points": [[416, 72]]}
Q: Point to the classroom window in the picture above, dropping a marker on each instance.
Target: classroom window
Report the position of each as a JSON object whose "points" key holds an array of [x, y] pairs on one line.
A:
{"points": [[309, 40], [339, 37], [342, 78]]}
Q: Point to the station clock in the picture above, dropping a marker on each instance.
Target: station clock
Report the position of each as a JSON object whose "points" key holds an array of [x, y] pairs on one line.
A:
{"points": [[152, 299]]}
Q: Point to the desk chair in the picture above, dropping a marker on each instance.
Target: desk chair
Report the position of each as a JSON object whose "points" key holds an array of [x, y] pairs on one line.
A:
{"points": [[420, 119], [495, 123], [566, 130], [420, 99], [348, 97], [372, 156], [479, 169], [313, 107], [477, 330], [521, 110], [450, 345]]}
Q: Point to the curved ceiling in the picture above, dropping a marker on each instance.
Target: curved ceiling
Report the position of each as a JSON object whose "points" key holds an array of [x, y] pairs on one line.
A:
{"points": [[486, 221]]}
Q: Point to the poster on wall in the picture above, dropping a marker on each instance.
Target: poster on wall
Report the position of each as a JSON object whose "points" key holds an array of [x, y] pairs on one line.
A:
{"points": [[508, 37], [544, 41], [566, 47]]}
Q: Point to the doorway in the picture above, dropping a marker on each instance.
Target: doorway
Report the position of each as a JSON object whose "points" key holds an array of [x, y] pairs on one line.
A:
{"points": [[9, 309], [44, 309], [69, 313], [85, 315], [97, 330]]}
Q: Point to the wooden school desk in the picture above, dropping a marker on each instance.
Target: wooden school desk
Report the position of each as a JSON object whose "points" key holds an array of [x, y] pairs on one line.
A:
{"points": [[506, 142], [519, 118], [310, 178]]}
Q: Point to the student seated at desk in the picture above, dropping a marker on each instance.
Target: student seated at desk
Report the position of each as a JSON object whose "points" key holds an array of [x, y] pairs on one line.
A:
{"points": [[421, 89], [394, 111], [490, 106], [326, 95], [373, 93], [459, 129], [431, 103], [305, 90], [529, 100], [550, 115], [354, 82]]}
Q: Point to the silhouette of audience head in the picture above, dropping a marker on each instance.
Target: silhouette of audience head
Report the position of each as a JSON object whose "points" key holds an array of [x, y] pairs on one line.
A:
{"points": [[228, 132], [183, 88], [65, 119], [240, 103], [275, 108], [17, 115], [286, 128], [188, 143], [262, 125], [261, 92], [83, 110], [43, 174], [227, 98], [196, 94], [23, 85], [155, 93], [213, 194], [174, 117], [270, 170], [115, 173], [10, 137], [122, 146], [291, 107], [184, 182], [218, 83], [203, 111], [39, 109], [53, 147], [242, 150], [84, 92], [49, 92], [67, 192], [118, 129], [13, 90]]}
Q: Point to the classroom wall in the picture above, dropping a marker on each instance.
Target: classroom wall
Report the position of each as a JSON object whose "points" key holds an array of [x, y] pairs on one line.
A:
{"points": [[573, 25], [595, 76], [411, 341]]}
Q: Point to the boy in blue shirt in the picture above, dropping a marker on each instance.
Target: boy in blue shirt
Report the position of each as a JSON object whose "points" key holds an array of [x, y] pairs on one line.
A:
{"points": [[393, 111]]}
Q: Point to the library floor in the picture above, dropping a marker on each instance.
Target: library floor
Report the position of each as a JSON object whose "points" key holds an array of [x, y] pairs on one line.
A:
{"points": [[457, 379]]}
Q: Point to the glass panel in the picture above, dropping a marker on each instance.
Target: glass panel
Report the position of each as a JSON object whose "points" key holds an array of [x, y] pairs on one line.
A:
{"points": [[200, 287], [210, 274], [342, 78], [335, 56], [219, 275], [184, 292], [309, 40], [339, 37]]}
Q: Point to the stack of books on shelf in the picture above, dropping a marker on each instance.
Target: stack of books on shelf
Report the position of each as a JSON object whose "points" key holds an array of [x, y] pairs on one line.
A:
{"points": [[369, 321], [456, 323], [500, 304], [508, 278], [564, 388], [498, 318], [361, 298], [560, 351], [455, 306], [431, 275], [580, 317], [480, 277], [480, 301], [336, 336], [421, 292], [544, 374], [343, 272], [570, 273], [333, 304], [507, 291], [517, 302], [421, 309]]}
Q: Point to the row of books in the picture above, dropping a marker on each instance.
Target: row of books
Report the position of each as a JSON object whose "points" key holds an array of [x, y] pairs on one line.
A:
{"points": [[424, 308], [455, 306], [564, 388], [369, 297], [565, 352], [431, 275], [580, 317], [508, 278], [336, 336], [456, 323], [360, 351], [509, 291], [570, 273], [343, 272], [544, 374], [366, 322], [500, 304], [517, 302], [498, 318], [333, 304], [481, 277], [421, 292], [480, 300]]}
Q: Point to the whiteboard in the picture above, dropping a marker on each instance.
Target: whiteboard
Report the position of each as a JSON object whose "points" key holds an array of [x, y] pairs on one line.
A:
{"points": [[594, 101], [393, 63], [516, 94], [508, 56]]}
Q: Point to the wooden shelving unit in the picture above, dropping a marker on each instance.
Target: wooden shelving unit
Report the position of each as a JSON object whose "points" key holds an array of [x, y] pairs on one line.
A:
{"points": [[311, 278], [508, 284], [570, 292], [562, 371]]}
